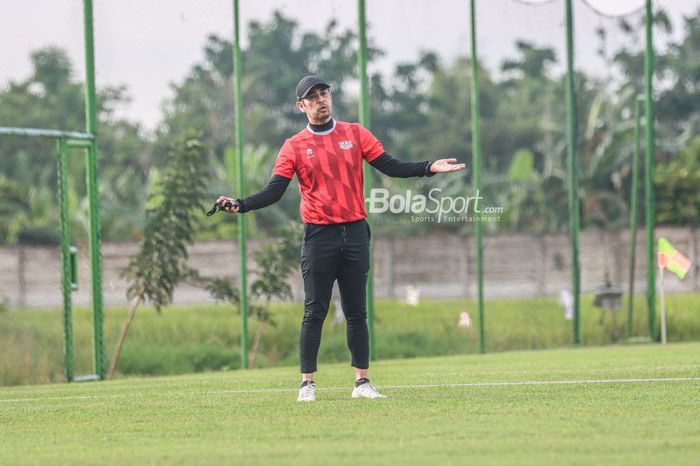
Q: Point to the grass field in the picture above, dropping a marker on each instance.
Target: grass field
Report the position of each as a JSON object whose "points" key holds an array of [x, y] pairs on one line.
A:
{"points": [[603, 405]]}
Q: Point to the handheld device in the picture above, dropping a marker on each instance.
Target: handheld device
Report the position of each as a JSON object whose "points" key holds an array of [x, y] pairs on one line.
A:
{"points": [[221, 206]]}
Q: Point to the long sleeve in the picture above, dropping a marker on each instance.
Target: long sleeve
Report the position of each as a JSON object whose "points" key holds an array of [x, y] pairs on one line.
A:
{"points": [[267, 196], [396, 168]]}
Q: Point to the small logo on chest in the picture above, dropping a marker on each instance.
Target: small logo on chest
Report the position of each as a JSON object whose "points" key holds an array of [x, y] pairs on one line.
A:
{"points": [[345, 145], [309, 152]]}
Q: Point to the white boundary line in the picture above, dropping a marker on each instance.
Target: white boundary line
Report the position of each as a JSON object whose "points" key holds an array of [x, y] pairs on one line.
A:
{"points": [[47, 398], [551, 382], [389, 387], [479, 384]]}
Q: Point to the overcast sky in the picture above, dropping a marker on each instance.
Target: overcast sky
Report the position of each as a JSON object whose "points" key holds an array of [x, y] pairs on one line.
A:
{"points": [[149, 44]]}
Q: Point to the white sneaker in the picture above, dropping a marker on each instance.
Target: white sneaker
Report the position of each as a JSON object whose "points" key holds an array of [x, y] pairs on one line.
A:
{"points": [[307, 392], [366, 390]]}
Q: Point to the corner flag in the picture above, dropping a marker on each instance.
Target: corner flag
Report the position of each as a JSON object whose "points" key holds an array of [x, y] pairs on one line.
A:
{"points": [[670, 258]]}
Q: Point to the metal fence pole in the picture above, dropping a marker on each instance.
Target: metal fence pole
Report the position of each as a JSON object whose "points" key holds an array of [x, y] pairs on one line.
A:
{"points": [[573, 175], [365, 120], [238, 117], [92, 176], [649, 172], [64, 236], [476, 171], [633, 214]]}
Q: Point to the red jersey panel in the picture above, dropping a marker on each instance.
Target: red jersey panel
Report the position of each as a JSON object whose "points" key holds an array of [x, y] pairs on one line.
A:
{"points": [[329, 168]]}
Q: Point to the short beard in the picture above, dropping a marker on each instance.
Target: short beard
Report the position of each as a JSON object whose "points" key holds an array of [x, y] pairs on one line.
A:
{"points": [[324, 119]]}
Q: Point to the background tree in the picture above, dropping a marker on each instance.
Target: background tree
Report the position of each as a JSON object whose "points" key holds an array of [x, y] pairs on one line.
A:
{"points": [[51, 98], [275, 261], [420, 111], [676, 185], [170, 228]]}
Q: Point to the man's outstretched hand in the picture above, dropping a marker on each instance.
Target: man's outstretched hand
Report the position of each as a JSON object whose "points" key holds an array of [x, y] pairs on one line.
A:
{"points": [[446, 165], [227, 204]]}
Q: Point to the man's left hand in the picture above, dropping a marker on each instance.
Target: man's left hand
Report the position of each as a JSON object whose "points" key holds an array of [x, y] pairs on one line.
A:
{"points": [[446, 165]]}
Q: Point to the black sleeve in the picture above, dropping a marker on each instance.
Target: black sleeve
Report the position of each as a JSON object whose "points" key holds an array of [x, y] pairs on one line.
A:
{"points": [[268, 195], [396, 168]]}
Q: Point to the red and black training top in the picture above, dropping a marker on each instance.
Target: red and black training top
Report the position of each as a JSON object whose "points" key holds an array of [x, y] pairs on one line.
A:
{"points": [[328, 165], [327, 160]]}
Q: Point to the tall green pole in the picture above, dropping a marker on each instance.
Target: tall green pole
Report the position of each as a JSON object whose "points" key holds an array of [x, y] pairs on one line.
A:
{"points": [[633, 213], [364, 111], [649, 172], [92, 155], [238, 111], [476, 172], [65, 256], [573, 169]]}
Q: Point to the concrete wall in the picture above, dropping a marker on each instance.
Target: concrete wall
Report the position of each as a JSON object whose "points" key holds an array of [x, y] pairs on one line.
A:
{"points": [[515, 265]]}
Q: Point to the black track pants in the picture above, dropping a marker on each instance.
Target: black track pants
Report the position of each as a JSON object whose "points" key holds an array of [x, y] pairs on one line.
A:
{"points": [[329, 253]]}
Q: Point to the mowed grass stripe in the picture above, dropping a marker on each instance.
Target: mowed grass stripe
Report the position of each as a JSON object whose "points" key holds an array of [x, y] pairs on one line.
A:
{"points": [[388, 387], [599, 363], [509, 408]]}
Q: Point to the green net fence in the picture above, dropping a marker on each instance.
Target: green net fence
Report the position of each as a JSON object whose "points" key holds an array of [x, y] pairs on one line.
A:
{"points": [[165, 71]]}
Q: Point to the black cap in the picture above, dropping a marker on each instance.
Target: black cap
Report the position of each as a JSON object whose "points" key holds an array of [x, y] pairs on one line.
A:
{"points": [[307, 83]]}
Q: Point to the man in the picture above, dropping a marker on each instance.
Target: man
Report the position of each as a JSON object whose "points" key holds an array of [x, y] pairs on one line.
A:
{"points": [[327, 157]]}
